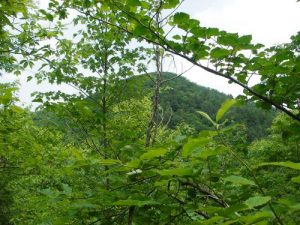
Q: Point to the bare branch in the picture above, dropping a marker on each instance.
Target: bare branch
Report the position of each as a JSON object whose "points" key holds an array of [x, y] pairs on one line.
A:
{"points": [[179, 75]]}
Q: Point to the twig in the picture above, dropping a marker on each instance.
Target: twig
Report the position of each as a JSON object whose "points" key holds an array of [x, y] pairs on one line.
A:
{"points": [[179, 75]]}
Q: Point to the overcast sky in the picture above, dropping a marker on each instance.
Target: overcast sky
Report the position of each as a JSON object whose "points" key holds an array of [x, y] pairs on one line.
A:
{"points": [[269, 21]]}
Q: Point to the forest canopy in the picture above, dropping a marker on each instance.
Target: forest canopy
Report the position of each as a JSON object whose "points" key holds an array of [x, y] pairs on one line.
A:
{"points": [[137, 144]]}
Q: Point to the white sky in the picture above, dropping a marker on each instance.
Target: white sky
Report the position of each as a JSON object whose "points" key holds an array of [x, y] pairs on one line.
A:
{"points": [[269, 21]]}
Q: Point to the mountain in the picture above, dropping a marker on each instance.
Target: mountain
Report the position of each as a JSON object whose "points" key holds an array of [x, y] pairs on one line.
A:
{"points": [[181, 99]]}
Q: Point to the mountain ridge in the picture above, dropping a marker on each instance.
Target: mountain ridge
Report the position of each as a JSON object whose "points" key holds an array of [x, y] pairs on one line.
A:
{"points": [[185, 98]]}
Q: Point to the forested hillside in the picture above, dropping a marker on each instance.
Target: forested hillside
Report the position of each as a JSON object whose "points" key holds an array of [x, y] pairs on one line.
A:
{"points": [[150, 149], [179, 102], [181, 99]]}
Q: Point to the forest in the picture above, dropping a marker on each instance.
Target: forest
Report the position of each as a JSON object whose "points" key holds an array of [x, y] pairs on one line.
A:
{"points": [[136, 143]]}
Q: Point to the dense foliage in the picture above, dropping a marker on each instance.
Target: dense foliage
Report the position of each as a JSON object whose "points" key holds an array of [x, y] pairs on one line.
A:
{"points": [[152, 149]]}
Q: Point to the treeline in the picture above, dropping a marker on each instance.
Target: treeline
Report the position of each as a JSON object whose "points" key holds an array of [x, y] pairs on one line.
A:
{"points": [[136, 150], [181, 99]]}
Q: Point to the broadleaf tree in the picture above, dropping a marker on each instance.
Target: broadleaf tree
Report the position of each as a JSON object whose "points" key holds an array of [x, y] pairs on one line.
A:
{"points": [[103, 157]]}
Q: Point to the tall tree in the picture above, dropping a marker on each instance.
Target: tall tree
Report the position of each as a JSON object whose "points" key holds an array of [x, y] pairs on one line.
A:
{"points": [[107, 166], [229, 55], [21, 36]]}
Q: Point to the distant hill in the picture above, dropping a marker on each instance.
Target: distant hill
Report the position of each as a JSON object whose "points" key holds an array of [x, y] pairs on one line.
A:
{"points": [[181, 99]]}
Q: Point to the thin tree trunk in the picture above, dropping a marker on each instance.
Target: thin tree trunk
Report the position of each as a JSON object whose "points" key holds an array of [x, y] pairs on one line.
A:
{"points": [[158, 81], [130, 215], [104, 109], [150, 133], [155, 100]]}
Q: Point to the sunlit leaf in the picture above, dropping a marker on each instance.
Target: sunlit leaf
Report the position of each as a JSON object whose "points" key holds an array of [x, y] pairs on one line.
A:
{"points": [[83, 204], [194, 144], [238, 180], [153, 153], [206, 116], [131, 202], [292, 165], [207, 152], [296, 179], [257, 201], [224, 108], [108, 162], [293, 205], [219, 53], [259, 216], [176, 172]]}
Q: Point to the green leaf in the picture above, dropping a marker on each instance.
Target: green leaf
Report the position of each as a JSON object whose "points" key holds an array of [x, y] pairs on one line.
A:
{"points": [[294, 206], [210, 209], [296, 179], [181, 17], [131, 202], [257, 201], [207, 152], [292, 165], [239, 181], [194, 144], [133, 164], [47, 15], [229, 222], [231, 210], [246, 39], [140, 30], [83, 204], [29, 78], [176, 172], [219, 53], [228, 39], [256, 217], [133, 3], [170, 4], [177, 37], [66, 189], [224, 108], [108, 162], [153, 153], [48, 192], [212, 220], [206, 116], [212, 32]]}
